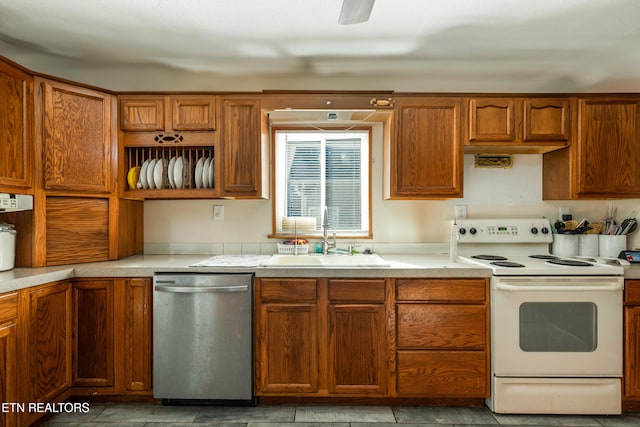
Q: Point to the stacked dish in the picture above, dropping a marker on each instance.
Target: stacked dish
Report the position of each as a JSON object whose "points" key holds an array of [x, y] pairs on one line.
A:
{"points": [[203, 174]]}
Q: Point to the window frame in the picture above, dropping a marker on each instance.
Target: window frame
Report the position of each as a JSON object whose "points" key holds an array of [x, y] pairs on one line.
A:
{"points": [[275, 233]]}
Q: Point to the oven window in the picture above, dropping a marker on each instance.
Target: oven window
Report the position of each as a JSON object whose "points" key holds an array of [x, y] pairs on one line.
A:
{"points": [[558, 326]]}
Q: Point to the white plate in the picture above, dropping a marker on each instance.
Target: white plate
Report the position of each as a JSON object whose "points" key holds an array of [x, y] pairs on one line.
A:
{"points": [[142, 179], [205, 173], [211, 174], [150, 183], [198, 173], [160, 173], [172, 181], [181, 172]]}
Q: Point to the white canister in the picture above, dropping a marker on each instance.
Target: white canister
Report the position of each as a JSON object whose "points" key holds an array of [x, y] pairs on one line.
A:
{"points": [[7, 246], [565, 245], [588, 245], [611, 245]]}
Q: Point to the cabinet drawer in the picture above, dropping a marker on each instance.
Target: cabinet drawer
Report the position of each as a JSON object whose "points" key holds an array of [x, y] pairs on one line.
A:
{"points": [[441, 326], [356, 290], [8, 306], [279, 290], [443, 373], [632, 292], [441, 290]]}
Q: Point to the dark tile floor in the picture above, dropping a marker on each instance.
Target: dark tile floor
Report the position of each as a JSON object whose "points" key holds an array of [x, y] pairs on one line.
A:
{"points": [[149, 415]]}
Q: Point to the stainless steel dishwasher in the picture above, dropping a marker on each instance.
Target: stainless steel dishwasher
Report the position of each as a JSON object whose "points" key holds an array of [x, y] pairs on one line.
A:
{"points": [[202, 338]]}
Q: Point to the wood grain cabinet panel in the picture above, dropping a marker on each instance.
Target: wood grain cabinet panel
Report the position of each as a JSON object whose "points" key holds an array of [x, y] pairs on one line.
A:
{"points": [[9, 357], [195, 112], [142, 114], [443, 373], [93, 356], [442, 338], [632, 344], [425, 159], [242, 164], [49, 340], [77, 138], [357, 363], [77, 230], [516, 124], [604, 161], [136, 322], [16, 128], [288, 348]]}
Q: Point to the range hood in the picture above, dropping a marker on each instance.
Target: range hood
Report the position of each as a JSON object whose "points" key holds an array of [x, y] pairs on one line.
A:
{"points": [[15, 202]]}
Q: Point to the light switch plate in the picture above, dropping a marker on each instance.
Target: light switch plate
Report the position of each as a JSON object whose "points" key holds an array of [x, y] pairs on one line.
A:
{"points": [[461, 211], [218, 212]]}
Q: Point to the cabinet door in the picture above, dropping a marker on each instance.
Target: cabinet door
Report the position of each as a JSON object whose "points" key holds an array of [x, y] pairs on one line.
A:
{"points": [[142, 114], [86, 220], [609, 147], [195, 112], [426, 159], [286, 336], [356, 349], [49, 343], [492, 119], [16, 112], [632, 352], [242, 148], [9, 357], [93, 333], [137, 336], [77, 138], [546, 120]]}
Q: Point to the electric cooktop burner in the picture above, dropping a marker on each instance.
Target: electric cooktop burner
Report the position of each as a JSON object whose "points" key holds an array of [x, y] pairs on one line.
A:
{"points": [[506, 264], [489, 257], [543, 256], [570, 262]]}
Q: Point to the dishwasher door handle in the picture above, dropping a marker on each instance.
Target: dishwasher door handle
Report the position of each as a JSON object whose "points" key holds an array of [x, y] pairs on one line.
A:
{"points": [[201, 289]]}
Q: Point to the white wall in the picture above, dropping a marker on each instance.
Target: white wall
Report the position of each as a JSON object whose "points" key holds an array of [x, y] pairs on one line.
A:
{"points": [[174, 226]]}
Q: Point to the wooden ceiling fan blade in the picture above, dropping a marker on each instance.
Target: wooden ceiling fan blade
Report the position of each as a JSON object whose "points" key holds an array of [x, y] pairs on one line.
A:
{"points": [[355, 11]]}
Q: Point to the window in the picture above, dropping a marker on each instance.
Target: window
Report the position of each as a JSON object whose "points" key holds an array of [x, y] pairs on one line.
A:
{"points": [[318, 168]]}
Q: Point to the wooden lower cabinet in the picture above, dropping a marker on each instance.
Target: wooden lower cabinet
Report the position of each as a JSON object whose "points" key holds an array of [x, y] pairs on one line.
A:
{"points": [[314, 337], [631, 393], [112, 336], [407, 339], [9, 392], [442, 337], [47, 344]]}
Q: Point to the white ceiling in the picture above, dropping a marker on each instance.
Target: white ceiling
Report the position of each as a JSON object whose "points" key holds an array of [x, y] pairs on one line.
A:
{"points": [[421, 45]]}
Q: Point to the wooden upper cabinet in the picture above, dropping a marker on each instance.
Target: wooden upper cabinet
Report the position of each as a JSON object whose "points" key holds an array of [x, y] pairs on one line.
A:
{"points": [[425, 159], [142, 114], [151, 113], [16, 128], [77, 138], [491, 119], [605, 160], [517, 125], [244, 150]]}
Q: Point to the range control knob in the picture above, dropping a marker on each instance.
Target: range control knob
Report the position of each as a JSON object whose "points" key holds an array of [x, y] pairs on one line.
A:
{"points": [[462, 230], [534, 230], [472, 230], [545, 230]]}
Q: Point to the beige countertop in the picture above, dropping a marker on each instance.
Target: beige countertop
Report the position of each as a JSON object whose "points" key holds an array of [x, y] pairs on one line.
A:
{"points": [[416, 266], [147, 265]]}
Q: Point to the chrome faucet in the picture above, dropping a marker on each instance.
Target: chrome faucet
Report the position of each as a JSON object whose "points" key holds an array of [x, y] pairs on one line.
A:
{"points": [[325, 233]]}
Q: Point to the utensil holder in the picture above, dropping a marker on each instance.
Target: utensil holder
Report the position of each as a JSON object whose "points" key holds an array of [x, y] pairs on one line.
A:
{"points": [[611, 245], [588, 245], [565, 245]]}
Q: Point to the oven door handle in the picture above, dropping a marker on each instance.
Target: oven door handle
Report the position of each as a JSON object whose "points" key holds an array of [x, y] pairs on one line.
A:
{"points": [[608, 287]]}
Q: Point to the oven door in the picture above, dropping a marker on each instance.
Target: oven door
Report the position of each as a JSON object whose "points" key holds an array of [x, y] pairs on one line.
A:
{"points": [[557, 326]]}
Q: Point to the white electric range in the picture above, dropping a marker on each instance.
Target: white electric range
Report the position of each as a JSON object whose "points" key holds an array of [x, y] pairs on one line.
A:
{"points": [[556, 323]]}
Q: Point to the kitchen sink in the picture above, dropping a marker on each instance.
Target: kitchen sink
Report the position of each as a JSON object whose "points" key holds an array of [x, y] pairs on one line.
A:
{"points": [[325, 261]]}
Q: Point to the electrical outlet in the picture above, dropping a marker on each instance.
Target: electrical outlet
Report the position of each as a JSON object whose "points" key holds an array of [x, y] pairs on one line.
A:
{"points": [[218, 212], [461, 211]]}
